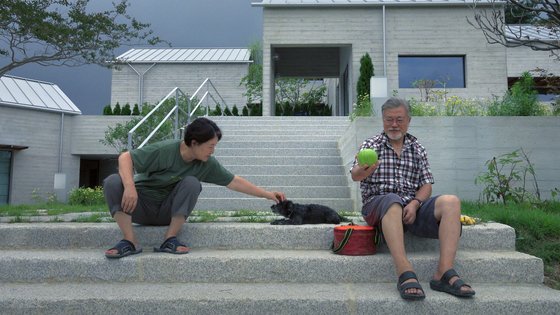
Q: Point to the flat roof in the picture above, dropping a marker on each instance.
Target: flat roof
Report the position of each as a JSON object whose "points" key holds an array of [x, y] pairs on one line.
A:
{"points": [[311, 3], [34, 94], [185, 55]]}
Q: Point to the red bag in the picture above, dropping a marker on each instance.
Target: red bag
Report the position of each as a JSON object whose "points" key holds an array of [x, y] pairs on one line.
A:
{"points": [[355, 240]]}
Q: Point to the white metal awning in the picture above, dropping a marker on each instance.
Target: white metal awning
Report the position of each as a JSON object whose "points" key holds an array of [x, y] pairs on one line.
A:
{"points": [[186, 55]]}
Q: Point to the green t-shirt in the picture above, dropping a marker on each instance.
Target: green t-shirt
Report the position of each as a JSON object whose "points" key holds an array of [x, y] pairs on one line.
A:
{"points": [[159, 167]]}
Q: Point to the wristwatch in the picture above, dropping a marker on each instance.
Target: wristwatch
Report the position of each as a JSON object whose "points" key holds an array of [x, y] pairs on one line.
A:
{"points": [[419, 201]]}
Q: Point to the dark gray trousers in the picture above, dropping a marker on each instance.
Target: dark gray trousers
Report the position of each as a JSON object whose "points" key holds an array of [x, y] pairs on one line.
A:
{"points": [[181, 201]]}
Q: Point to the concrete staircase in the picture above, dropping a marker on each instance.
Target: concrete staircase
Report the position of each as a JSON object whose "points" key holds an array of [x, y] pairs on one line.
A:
{"points": [[253, 268], [296, 155], [257, 268]]}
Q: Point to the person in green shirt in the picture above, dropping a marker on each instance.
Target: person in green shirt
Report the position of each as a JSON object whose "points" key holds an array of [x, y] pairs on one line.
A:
{"points": [[166, 186]]}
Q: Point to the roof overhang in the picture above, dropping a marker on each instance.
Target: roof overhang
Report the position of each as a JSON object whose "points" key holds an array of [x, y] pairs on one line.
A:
{"points": [[371, 3], [12, 147]]}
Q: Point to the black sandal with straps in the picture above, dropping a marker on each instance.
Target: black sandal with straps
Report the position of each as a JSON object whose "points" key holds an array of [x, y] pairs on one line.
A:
{"points": [[403, 287]]}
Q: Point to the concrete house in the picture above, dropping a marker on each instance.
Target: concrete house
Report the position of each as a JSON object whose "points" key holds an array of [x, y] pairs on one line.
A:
{"points": [[408, 40], [35, 140], [147, 75]]}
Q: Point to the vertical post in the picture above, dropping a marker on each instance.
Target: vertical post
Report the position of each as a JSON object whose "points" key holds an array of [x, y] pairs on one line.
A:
{"points": [[176, 125]]}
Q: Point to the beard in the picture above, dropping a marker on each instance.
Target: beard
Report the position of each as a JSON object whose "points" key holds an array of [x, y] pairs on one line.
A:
{"points": [[395, 135]]}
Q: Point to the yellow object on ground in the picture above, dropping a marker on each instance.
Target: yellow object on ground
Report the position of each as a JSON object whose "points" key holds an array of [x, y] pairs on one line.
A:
{"points": [[466, 220]]}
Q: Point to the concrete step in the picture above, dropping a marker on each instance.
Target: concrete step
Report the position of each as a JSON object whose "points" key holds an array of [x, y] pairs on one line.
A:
{"points": [[250, 203], [280, 160], [300, 180], [209, 190], [255, 266], [285, 170], [276, 151], [283, 298], [284, 144], [311, 136], [284, 131], [482, 237]]}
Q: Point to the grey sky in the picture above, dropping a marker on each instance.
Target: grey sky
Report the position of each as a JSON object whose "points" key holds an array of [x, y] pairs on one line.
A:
{"points": [[184, 23]]}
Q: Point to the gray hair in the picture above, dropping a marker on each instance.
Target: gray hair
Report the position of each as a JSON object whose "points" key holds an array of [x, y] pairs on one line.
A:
{"points": [[395, 102]]}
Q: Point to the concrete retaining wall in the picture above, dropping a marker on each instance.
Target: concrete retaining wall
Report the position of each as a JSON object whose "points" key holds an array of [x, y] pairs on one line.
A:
{"points": [[458, 148]]}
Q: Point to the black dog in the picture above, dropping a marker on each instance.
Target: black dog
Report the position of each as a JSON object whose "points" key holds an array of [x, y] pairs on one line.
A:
{"points": [[297, 214]]}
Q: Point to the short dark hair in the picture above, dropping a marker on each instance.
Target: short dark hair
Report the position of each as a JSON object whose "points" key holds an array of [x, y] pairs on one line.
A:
{"points": [[201, 130], [395, 102]]}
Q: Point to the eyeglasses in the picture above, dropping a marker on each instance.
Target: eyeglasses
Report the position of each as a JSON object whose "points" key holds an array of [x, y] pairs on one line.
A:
{"points": [[390, 121]]}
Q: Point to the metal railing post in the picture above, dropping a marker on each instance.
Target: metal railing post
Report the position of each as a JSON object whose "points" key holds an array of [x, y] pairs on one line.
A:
{"points": [[176, 125]]}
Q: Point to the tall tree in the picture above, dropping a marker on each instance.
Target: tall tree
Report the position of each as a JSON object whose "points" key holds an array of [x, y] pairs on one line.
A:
{"points": [[253, 80], [366, 72], [65, 32], [540, 19]]}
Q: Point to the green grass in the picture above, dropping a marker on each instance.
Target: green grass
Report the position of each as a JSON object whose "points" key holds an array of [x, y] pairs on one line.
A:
{"points": [[537, 228], [52, 209]]}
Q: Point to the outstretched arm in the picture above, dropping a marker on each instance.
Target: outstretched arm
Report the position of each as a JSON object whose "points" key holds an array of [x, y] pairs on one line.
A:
{"points": [[242, 185]]}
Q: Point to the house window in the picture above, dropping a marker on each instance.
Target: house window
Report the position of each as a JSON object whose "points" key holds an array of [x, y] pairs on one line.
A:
{"points": [[443, 71]]}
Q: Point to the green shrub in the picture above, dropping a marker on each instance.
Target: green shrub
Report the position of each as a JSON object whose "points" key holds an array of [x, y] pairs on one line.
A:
{"points": [[107, 110], [422, 109], [362, 107], [234, 110], [521, 100], [217, 110], [136, 110], [86, 196], [126, 110], [245, 111], [117, 109]]}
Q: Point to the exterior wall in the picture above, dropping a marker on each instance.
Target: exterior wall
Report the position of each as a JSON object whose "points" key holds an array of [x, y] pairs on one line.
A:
{"points": [[458, 148], [519, 62], [444, 31], [358, 27], [89, 130], [162, 78], [35, 167], [417, 30]]}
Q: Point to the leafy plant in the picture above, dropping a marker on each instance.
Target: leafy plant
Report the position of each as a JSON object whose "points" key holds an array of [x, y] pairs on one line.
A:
{"points": [[86, 196], [506, 179], [253, 80], [362, 108], [521, 100]]}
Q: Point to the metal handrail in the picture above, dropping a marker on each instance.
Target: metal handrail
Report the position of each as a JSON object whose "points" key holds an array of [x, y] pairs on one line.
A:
{"points": [[176, 110], [207, 80]]}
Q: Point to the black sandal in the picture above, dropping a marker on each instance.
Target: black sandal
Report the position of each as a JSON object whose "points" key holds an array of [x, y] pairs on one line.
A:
{"points": [[443, 284], [124, 248], [170, 246], [402, 287]]}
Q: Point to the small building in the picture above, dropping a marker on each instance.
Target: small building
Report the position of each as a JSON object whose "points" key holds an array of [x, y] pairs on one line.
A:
{"points": [[35, 141], [147, 75]]}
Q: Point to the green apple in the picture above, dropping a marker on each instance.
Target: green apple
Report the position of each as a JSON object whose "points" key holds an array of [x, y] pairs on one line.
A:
{"points": [[367, 157]]}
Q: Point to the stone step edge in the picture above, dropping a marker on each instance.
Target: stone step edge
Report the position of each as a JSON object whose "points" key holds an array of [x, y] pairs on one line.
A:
{"points": [[482, 236], [260, 266], [335, 298]]}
